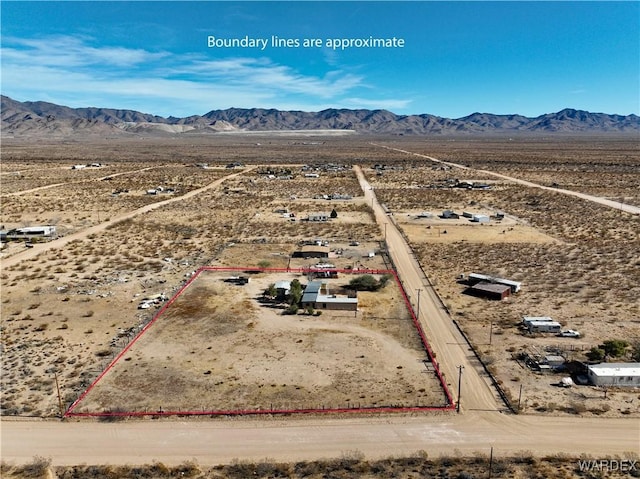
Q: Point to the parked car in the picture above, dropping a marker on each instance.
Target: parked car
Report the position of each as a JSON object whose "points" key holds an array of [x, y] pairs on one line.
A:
{"points": [[569, 333]]}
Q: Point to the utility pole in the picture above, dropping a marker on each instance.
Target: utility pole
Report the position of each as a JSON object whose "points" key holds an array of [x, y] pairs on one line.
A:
{"points": [[490, 462], [519, 397], [460, 368], [490, 333], [59, 397], [418, 290]]}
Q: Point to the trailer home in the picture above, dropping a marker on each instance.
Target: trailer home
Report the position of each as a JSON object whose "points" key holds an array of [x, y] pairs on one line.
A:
{"points": [[541, 324], [614, 374]]}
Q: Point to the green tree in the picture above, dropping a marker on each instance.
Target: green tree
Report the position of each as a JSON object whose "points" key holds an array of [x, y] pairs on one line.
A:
{"points": [[596, 354], [614, 347], [384, 280], [365, 282], [295, 292], [334, 213], [271, 290]]}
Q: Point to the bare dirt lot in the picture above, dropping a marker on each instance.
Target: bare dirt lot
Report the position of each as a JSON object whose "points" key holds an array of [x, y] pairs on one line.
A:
{"points": [[582, 273], [66, 311], [219, 348]]}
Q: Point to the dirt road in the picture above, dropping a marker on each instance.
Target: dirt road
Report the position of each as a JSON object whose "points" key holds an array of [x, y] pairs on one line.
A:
{"points": [[217, 442], [79, 235], [634, 210], [447, 342], [90, 180], [479, 427]]}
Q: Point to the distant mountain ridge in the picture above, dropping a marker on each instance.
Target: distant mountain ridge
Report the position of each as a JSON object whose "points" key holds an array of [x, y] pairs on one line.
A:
{"points": [[42, 118]]}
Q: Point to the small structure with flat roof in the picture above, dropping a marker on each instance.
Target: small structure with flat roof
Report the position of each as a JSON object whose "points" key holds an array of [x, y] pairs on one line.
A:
{"points": [[614, 374], [489, 290], [476, 278], [312, 251]]}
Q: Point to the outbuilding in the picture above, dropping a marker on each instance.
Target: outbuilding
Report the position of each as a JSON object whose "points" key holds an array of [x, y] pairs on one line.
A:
{"points": [[490, 290], [614, 374], [312, 251], [449, 215], [480, 219], [475, 278], [282, 287]]}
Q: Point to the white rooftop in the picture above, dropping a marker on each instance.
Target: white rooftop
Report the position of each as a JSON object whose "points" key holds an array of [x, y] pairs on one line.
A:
{"points": [[335, 299], [538, 322], [536, 318], [615, 369]]}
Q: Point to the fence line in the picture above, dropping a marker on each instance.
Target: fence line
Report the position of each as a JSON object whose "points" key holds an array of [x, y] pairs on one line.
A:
{"points": [[449, 405]]}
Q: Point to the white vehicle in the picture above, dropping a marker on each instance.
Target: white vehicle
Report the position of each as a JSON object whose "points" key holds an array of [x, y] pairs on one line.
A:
{"points": [[569, 333]]}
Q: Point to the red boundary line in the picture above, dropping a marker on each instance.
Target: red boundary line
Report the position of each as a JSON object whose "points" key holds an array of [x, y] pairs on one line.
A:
{"points": [[449, 407]]}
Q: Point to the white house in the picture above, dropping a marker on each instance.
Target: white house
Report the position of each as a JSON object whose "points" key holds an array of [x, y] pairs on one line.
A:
{"points": [[614, 374]]}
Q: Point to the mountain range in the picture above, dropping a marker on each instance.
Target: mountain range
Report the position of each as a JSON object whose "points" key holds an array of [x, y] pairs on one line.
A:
{"points": [[47, 119]]}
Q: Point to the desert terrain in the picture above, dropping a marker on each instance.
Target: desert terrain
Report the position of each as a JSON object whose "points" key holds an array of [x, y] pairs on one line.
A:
{"points": [[582, 273], [70, 305], [224, 347]]}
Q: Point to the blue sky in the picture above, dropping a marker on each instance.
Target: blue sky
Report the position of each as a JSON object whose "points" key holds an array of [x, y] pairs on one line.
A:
{"points": [[458, 58]]}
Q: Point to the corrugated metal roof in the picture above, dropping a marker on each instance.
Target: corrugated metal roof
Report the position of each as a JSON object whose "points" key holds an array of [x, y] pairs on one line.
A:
{"points": [[311, 291], [491, 287], [615, 369]]}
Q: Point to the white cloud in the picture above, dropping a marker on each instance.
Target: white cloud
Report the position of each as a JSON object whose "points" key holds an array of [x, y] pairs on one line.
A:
{"points": [[73, 52], [163, 83], [261, 73]]}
